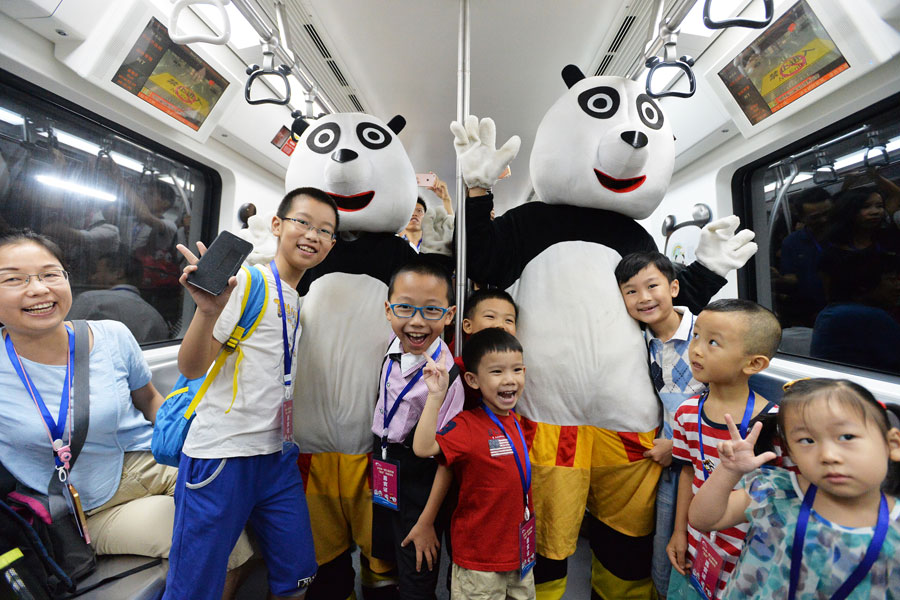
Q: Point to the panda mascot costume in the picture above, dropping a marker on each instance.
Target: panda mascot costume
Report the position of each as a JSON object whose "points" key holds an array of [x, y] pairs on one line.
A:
{"points": [[603, 156], [358, 160]]}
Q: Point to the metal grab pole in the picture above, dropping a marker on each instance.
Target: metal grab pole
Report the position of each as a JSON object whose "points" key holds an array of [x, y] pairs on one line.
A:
{"points": [[462, 110]]}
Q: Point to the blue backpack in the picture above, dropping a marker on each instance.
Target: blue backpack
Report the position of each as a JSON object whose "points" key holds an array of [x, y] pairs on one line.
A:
{"points": [[173, 419]]}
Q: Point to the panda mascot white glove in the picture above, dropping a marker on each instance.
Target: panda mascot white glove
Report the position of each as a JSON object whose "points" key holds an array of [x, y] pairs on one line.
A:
{"points": [[721, 250], [437, 232], [259, 233], [479, 159]]}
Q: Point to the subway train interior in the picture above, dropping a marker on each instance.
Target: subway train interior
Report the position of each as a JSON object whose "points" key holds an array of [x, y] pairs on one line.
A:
{"points": [[129, 127]]}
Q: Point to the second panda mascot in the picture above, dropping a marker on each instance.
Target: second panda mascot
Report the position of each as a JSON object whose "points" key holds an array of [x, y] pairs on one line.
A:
{"points": [[603, 156], [358, 160]]}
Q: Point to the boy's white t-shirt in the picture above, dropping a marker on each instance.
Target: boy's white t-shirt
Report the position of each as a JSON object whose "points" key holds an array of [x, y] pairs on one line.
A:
{"points": [[252, 426]]}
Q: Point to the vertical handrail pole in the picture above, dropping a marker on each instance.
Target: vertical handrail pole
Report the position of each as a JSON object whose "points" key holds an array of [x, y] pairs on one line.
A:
{"points": [[462, 110]]}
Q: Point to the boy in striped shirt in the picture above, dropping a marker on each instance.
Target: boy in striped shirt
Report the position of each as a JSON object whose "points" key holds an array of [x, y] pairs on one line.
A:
{"points": [[732, 340]]}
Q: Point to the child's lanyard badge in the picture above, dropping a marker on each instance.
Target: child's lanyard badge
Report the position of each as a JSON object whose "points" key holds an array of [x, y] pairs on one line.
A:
{"points": [[287, 403], [709, 561], [54, 428], [861, 570], [385, 472], [527, 529]]}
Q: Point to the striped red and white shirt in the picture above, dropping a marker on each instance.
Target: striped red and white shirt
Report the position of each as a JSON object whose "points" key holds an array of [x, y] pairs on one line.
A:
{"points": [[686, 449]]}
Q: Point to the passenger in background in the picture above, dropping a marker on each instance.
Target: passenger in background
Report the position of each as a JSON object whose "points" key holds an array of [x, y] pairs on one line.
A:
{"points": [[126, 495], [236, 467], [733, 339], [857, 224], [492, 467], [121, 301], [407, 527], [801, 251], [413, 231], [648, 284], [860, 325]]}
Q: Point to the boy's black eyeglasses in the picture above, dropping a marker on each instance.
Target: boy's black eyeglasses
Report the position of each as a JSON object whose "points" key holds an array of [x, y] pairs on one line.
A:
{"points": [[322, 232], [408, 311]]}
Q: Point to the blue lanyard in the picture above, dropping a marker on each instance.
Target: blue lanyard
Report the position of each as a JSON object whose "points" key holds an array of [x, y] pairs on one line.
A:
{"points": [[389, 416], [524, 474], [745, 423], [54, 428], [861, 570], [419, 245], [288, 349]]}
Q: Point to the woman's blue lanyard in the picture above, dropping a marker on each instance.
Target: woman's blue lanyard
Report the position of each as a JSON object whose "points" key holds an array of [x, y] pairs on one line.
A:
{"points": [[745, 423], [54, 428], [861, 570], [389, 416], [524, 474], [288, 348]]}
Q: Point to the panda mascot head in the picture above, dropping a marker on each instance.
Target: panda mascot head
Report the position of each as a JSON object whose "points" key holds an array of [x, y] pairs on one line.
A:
{"points": [[604, 144], [358, 160]]}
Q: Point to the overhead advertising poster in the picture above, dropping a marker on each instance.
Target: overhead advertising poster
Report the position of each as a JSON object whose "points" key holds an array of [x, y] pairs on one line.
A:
{"points": [[172, 78], [792, 57]]}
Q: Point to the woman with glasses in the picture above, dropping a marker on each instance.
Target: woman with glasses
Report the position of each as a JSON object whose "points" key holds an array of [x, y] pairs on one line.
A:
{"points": [[125, 494]]}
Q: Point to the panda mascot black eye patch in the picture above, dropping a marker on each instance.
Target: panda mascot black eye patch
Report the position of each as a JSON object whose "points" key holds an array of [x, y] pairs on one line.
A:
{"points": [[372, 136], [599, 102], [324, 138], [649, 112]]}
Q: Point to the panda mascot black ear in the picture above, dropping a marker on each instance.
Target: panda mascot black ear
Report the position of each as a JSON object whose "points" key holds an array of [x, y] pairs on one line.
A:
{"points": [[572, 75], [299, 125], [397, 124]]}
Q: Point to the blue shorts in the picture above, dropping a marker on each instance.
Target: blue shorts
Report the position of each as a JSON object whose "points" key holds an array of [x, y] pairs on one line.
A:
{"points": [[666, 495], [214, 499]]}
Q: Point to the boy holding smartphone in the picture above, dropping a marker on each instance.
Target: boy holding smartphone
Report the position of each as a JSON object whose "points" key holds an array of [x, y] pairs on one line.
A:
{"points": [[235, 467]]}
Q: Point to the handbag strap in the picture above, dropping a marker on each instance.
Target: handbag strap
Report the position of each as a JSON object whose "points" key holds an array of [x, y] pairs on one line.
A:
{"points": [[82, 400]]}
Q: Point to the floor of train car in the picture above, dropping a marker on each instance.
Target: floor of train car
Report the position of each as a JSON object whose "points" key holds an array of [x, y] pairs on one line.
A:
{"points": [[579, 584]]}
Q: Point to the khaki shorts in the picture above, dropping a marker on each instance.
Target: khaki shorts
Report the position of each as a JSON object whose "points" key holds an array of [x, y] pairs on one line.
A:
{"points": [[138, 519], [489, 585]]}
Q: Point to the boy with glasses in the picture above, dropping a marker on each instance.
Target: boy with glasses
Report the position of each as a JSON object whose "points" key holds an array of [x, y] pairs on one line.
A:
{"points": [[406, 495]]}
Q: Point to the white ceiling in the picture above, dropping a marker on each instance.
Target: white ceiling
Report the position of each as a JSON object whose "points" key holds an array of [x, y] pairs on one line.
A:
{"points": [[401, 56]]}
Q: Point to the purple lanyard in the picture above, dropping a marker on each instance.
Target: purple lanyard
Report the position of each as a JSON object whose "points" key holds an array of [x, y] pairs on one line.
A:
{"points": [[389, 416], [524, 474], [745, 423], [288, 349], [861, 570], [54, 428]]}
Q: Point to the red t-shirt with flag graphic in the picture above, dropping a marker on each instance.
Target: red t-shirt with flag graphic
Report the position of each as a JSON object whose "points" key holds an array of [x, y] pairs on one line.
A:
{"points": [[686, 449], [485, 524]]}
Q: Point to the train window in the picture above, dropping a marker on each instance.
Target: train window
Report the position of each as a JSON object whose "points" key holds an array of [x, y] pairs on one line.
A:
{"points": [[115, 202], [827, 216]]}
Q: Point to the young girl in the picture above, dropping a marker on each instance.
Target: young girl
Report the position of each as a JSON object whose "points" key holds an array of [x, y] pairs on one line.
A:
{"points": [[829, 532]]}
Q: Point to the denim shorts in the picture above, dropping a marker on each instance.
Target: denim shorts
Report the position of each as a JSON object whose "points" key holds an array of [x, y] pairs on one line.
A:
{"points": [[666, 494]]}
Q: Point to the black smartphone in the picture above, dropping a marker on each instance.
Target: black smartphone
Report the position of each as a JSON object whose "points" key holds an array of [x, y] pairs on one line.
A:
{"points": [[221, 261]]}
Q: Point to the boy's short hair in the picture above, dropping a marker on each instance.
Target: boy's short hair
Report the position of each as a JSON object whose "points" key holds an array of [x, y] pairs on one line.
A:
{"points": [[763, 335], [424, 266], [480, 295], [634, 263], [485, 341], [422, 202], [316, 194]]}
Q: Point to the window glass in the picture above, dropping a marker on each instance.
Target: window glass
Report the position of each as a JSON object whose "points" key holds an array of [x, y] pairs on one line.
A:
{"points": [[827, 217], [117, 207]]}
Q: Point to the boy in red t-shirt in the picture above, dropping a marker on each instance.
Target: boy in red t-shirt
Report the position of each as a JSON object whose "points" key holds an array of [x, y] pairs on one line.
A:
{"points": [[493, 526]]}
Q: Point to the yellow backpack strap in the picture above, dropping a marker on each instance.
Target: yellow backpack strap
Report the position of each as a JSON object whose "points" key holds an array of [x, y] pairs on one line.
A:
{"points": [[243, 335]]}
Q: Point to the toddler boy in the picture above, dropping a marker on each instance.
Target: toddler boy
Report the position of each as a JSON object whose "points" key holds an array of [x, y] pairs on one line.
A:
{"points": [[648, 285], [233, 468], [733, 339], [420, 304], [493, 525]]}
